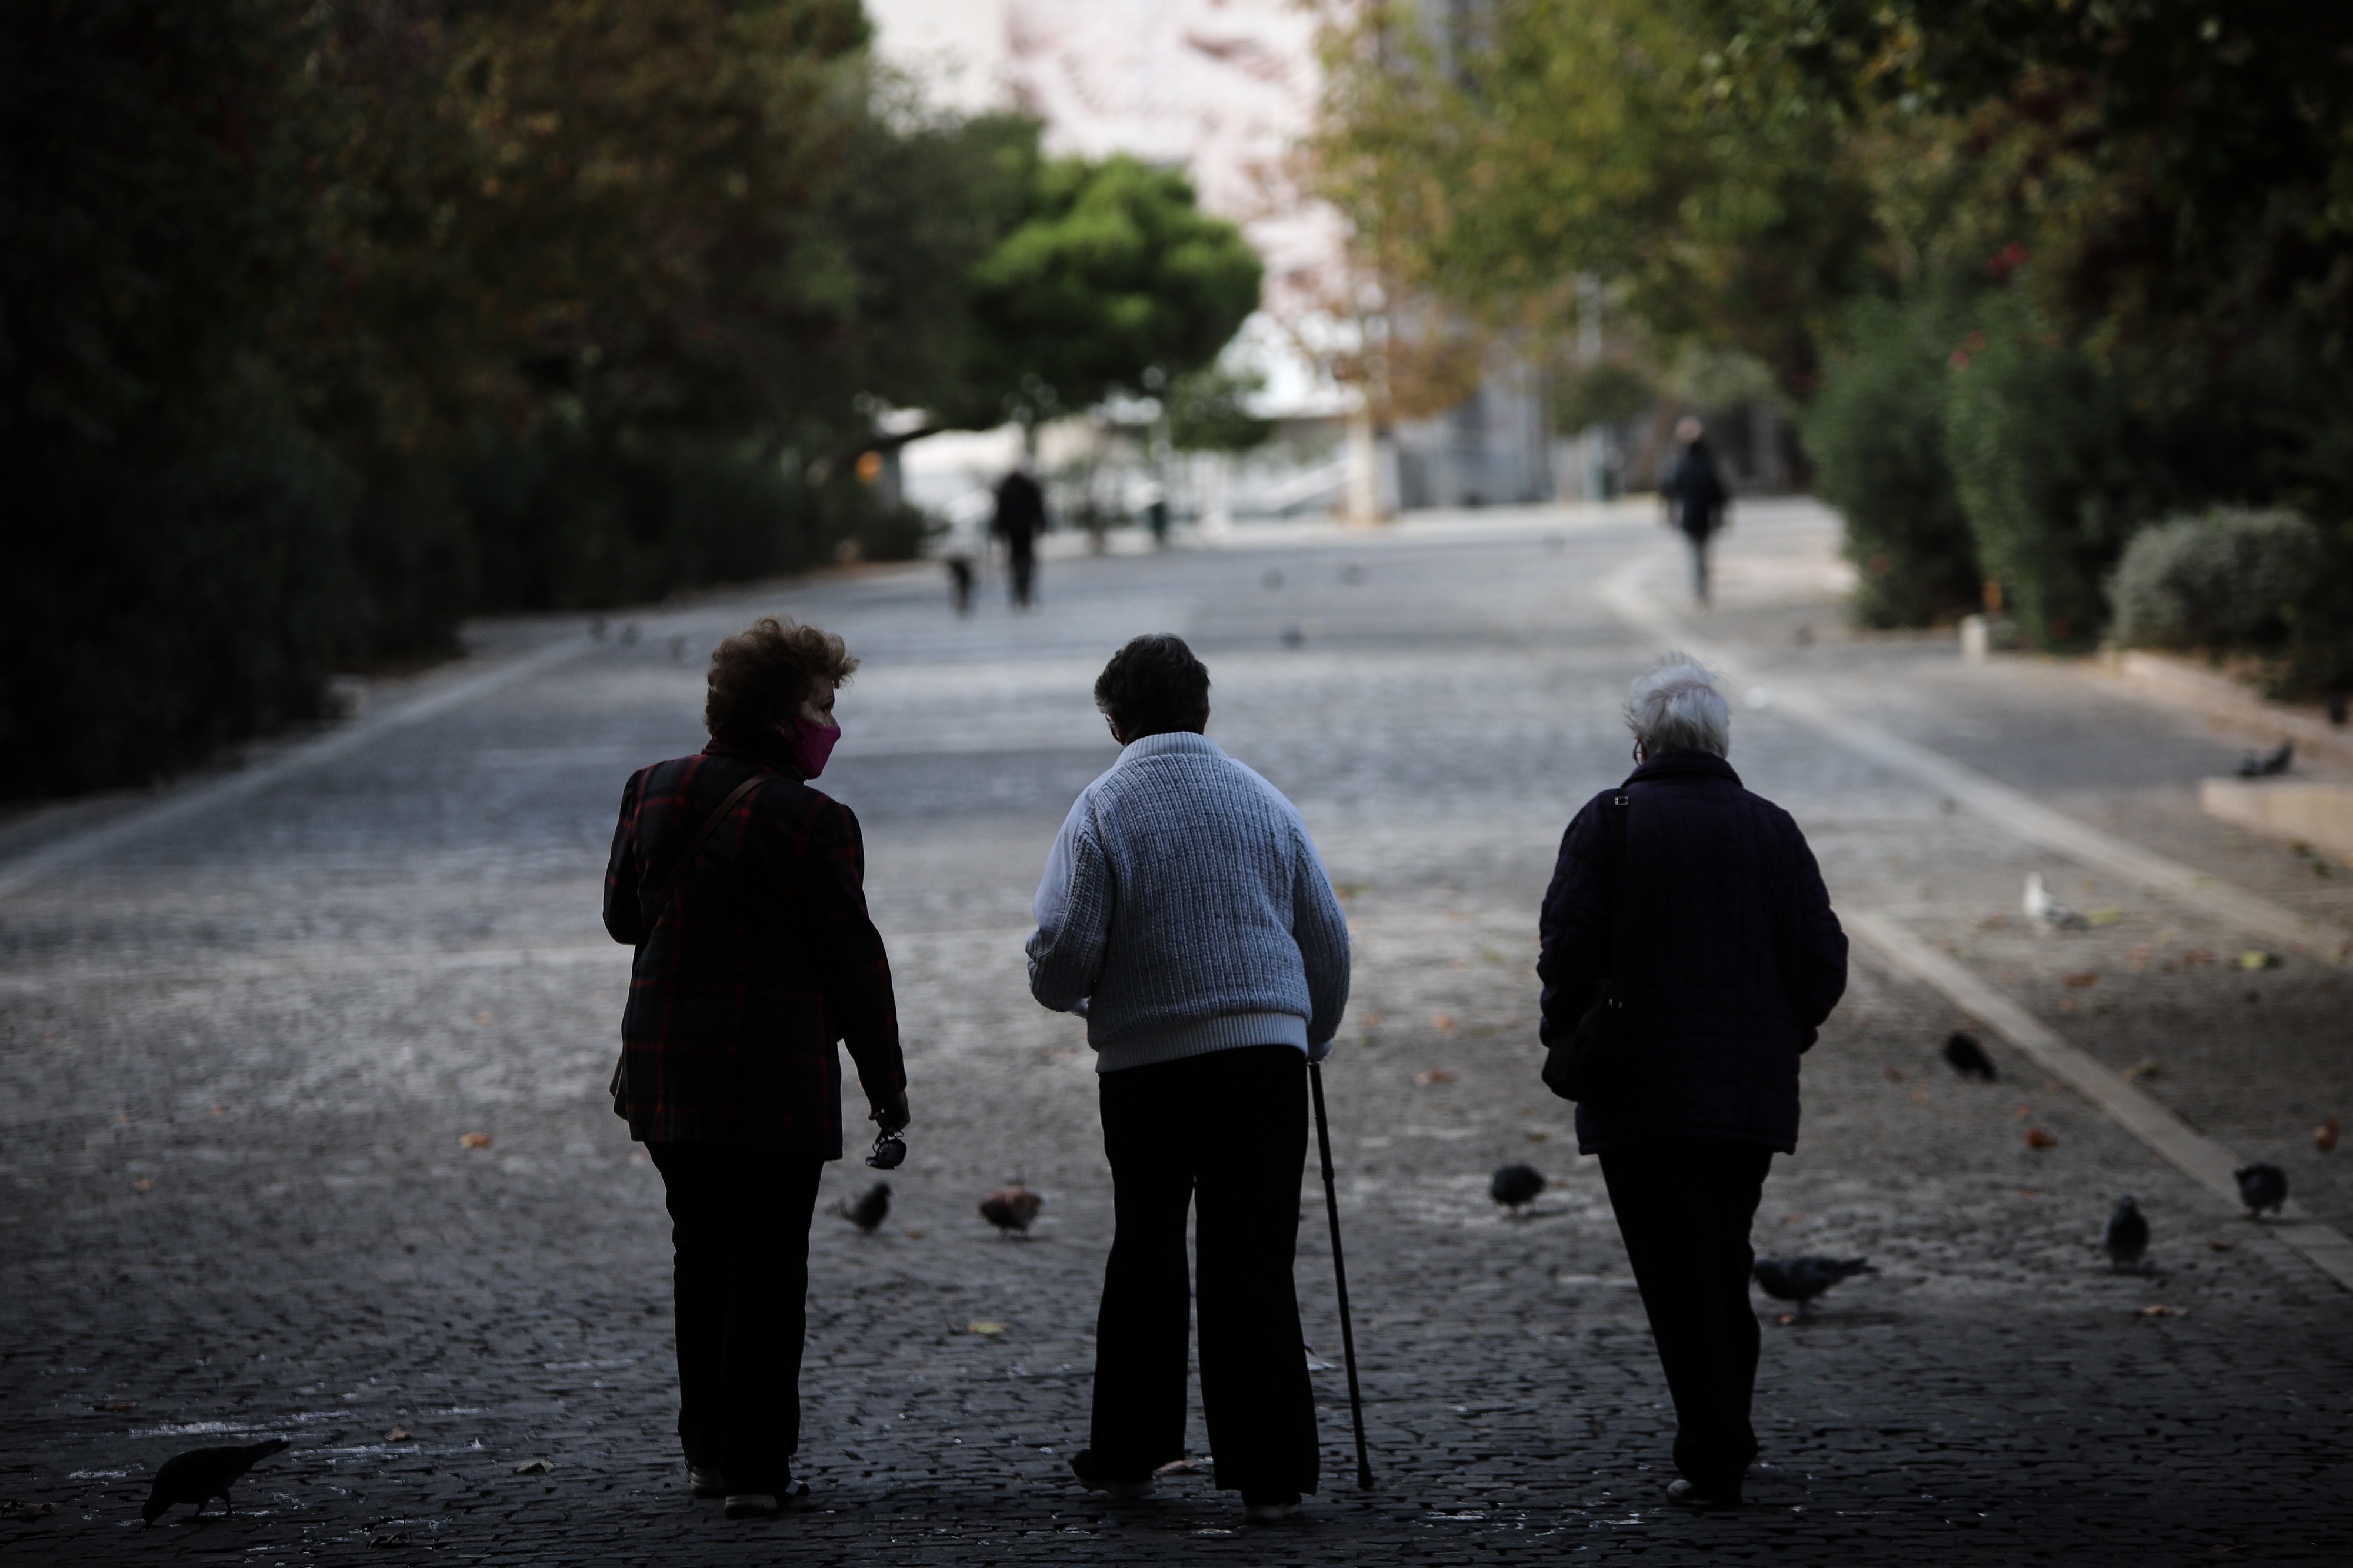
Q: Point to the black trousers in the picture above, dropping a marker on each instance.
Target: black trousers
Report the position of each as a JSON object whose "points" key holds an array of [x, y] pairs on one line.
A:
{"points": [[1685, 1208], [1022, 561], [1227, 1131], [740, 1222]]}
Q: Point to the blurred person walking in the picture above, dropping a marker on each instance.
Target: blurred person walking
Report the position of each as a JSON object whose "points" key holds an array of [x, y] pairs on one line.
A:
{"points": [[741, 888], [1697, 907], [1696, 497], [1187, 916], [1019, 519]]}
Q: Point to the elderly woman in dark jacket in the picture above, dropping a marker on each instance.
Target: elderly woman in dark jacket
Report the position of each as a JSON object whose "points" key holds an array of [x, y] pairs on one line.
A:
{"points": [[1731, 959], [740, 888]]}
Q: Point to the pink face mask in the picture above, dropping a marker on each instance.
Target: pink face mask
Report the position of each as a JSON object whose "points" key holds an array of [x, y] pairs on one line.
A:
{"points": [[816, 744]]}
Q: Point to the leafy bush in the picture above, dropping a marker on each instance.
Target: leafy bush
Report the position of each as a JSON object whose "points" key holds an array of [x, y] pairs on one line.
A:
{"points": [[1876, 432], [2233, 578]]}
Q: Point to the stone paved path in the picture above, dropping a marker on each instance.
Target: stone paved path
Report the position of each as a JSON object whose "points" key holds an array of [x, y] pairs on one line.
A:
{"points": [[242, 1050]]}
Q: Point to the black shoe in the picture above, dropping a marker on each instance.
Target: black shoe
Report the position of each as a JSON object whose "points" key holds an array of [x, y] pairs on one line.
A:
{"points": [[1689, 1494], [1095, 1479]]}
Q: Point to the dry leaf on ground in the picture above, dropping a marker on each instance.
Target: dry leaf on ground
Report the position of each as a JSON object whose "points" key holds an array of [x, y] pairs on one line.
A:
{"points": [[476, 1140]]}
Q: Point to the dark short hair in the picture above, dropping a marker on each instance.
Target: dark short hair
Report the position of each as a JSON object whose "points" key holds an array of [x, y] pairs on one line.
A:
{"points": [[1154, 686], [761, 675]]}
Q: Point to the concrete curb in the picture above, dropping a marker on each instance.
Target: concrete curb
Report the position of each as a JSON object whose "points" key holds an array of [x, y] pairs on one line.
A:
{"points": [[2178, 683], [2139, 1112]]}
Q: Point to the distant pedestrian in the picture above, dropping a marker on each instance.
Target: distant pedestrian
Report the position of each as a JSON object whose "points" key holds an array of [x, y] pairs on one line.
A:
{"points": [[1715, 932], [740, 888], [1184, 914], [960, 581], [1696, 497], [1019, 519]]}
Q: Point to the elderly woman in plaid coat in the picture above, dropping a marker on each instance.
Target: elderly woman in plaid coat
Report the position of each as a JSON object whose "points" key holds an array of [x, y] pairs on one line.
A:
{"points": [[740, 888]]}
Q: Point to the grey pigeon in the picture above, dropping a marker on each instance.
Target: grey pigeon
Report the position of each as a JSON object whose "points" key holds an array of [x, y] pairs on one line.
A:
{"points": [[2126, 1237], [1800, 1280], [201, 1475], [1010, 1209], [2259, 765], [1515, 1186], [2261, 1186], [1967, 1056], [868, 1211]]}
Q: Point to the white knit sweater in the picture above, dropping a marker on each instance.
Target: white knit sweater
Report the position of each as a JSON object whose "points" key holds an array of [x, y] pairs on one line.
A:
{"points": [[1184, 910]]}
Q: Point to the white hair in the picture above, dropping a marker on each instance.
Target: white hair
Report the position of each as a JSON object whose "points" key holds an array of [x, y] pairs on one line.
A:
{"points": [[1673, 706]]}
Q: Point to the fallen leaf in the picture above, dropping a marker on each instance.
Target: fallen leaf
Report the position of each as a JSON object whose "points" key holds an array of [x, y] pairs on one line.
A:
{"points": [[398, 1435], [914, 1235], [2324, 1137], [2078, 982], [534, 1468], [2219, 1245], [982, 1326], [220, 1110], [1444, 1020], [1793, 1219], [143, 1184], [1895, 1075], [2257, 958], [1535, 1137], [2105, 917], [476, 1140], [1369, 1020], [484, 1016], [2038, 1139], [1919, 1097], [1435, 1075], [2029, 1193], [2023, 1112], [1786, 1319], [2155, 1311]]}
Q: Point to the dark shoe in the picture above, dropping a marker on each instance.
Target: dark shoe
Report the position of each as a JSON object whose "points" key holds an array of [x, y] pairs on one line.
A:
{"points": [[703, 1483], [1118, 1489], [766, 1505], [1688, 1494]]}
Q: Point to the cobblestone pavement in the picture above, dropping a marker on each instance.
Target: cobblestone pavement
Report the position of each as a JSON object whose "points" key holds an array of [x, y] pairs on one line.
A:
{"points": [[243, 1049]]}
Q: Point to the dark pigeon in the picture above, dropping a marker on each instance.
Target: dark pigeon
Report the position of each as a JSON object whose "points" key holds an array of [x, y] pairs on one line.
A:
{"points": [[1800, 1280], [868, 1211], [202, 1474], [1010, 1209], [2261, 1186], [1516, 1186], [1969, 1058], [2258, 765], [2126, 1237]]}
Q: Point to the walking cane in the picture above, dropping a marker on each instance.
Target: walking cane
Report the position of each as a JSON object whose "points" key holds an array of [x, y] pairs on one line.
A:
{"points": [[1340, 1275]]}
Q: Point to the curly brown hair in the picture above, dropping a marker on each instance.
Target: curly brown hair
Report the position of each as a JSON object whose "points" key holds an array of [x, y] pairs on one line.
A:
{"points": [[760, 676]]}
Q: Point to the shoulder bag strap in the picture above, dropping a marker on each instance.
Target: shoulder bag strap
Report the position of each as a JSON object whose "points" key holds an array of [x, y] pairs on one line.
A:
{"points": [[1619, 822], [693, 848]]}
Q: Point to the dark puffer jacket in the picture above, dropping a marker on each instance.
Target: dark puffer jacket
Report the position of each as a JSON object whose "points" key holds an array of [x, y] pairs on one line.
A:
{"points": [[1736, 957]]}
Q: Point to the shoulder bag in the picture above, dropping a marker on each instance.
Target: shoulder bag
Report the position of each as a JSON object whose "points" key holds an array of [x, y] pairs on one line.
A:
{"points": [[1597, 1057]]}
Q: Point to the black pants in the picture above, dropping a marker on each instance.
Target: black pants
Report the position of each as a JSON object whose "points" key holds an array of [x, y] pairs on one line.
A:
{"points": [[1229, 1131], [1685, 1208], [740, 1222], [1023, 562]]}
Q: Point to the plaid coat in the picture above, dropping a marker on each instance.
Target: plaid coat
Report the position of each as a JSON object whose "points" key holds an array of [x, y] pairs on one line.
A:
{"points": [[763, 959]]}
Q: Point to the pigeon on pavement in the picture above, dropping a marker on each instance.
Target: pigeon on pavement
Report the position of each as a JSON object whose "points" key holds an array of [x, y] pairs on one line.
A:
{"points": [[1010, 1209], [1516, 1186], [2126, 1237], [2047, 912], [2259, 765], [202, 1474], [1800, 1280], [1967, 1056], [2261, 1186], [868, 1211]]}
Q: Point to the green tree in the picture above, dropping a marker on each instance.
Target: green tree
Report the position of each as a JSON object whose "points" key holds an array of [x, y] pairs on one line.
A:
{"points": [[1111, 271]]}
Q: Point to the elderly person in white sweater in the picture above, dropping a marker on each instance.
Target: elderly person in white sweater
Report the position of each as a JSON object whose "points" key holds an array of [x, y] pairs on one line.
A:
{"points": [[1186, 915]]}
